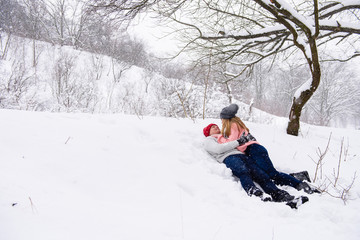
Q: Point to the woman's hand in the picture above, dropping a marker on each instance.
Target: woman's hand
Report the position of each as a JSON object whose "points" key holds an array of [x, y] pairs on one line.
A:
{"points": [[244, 139], [250, 137]]}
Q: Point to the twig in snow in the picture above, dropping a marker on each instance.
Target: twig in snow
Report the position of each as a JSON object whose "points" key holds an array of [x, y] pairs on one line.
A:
{"points": [[67, 140], [33, 208]]}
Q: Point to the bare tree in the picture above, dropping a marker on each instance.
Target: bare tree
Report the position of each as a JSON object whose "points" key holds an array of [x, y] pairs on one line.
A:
{"points": [[11, 16], [338, 95], [63, 84], [285, 79], [4, 45], [73, 92], [148, 77], [34, 24], [117, 71], [246, 32], [122, 10], [76, 23], [15, 88], [57, 11]]}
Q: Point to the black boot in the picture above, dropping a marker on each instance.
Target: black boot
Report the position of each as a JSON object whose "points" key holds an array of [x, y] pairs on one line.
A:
{"points": [[297, 202], [281, 196], [307, 188], [302, 176], [255, 191]]}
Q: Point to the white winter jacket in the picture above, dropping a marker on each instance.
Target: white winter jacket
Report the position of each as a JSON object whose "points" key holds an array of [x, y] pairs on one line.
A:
{"points": [[220, 151]]}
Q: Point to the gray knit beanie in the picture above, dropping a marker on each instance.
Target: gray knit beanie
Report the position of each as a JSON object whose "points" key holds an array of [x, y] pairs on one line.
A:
{"points": [[229, 111]]}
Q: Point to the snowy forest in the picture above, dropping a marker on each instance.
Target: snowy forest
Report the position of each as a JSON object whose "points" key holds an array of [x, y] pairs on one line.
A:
{"points": [[78, 56]]}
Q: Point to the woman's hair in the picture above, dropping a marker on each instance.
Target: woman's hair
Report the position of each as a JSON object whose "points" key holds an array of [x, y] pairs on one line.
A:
{"points": [[226, 125]]}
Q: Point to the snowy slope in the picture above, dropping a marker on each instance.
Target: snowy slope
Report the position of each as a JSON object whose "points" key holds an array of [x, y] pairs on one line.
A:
{"points": [[82, 176]]}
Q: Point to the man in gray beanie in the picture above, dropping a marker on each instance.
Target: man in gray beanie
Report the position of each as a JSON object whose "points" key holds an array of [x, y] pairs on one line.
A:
{"points": [[229, 111]]}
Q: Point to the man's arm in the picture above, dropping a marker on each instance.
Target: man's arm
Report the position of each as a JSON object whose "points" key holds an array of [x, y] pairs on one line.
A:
{"points": [[211, 145]]}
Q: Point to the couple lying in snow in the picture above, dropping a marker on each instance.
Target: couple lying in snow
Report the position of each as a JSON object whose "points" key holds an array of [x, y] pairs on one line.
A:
{"points": [[249, 161]]}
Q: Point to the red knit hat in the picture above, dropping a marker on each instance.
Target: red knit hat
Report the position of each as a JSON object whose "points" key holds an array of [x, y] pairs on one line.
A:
{"points": [[206, 130]]}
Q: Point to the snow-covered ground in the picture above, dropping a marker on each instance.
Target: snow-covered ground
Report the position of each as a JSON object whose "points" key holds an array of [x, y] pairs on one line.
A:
{"points": [[82, 176]]}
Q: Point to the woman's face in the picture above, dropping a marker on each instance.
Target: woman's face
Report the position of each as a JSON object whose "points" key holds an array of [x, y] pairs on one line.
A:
{"points": [[214, 130]]}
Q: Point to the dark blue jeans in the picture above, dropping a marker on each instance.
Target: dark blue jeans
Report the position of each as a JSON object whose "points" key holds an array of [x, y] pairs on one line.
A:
{"points": [[247, 171], [260, 156]]}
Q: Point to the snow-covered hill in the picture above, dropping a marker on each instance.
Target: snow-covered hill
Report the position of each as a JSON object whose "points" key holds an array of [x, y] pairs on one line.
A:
{"points": [[83, 176]]}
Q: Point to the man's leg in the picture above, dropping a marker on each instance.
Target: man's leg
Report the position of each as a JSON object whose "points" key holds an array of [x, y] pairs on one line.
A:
{"points": [[239, 169], [261, 157], [259, 176]]}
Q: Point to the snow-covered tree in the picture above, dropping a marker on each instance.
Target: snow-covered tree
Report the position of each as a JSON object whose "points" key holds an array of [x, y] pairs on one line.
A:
{"points": [[245, 32]]}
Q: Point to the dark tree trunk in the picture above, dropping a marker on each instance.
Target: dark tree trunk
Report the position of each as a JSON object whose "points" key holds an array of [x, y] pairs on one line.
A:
{"points": [[299, 101], [295, 112]]}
